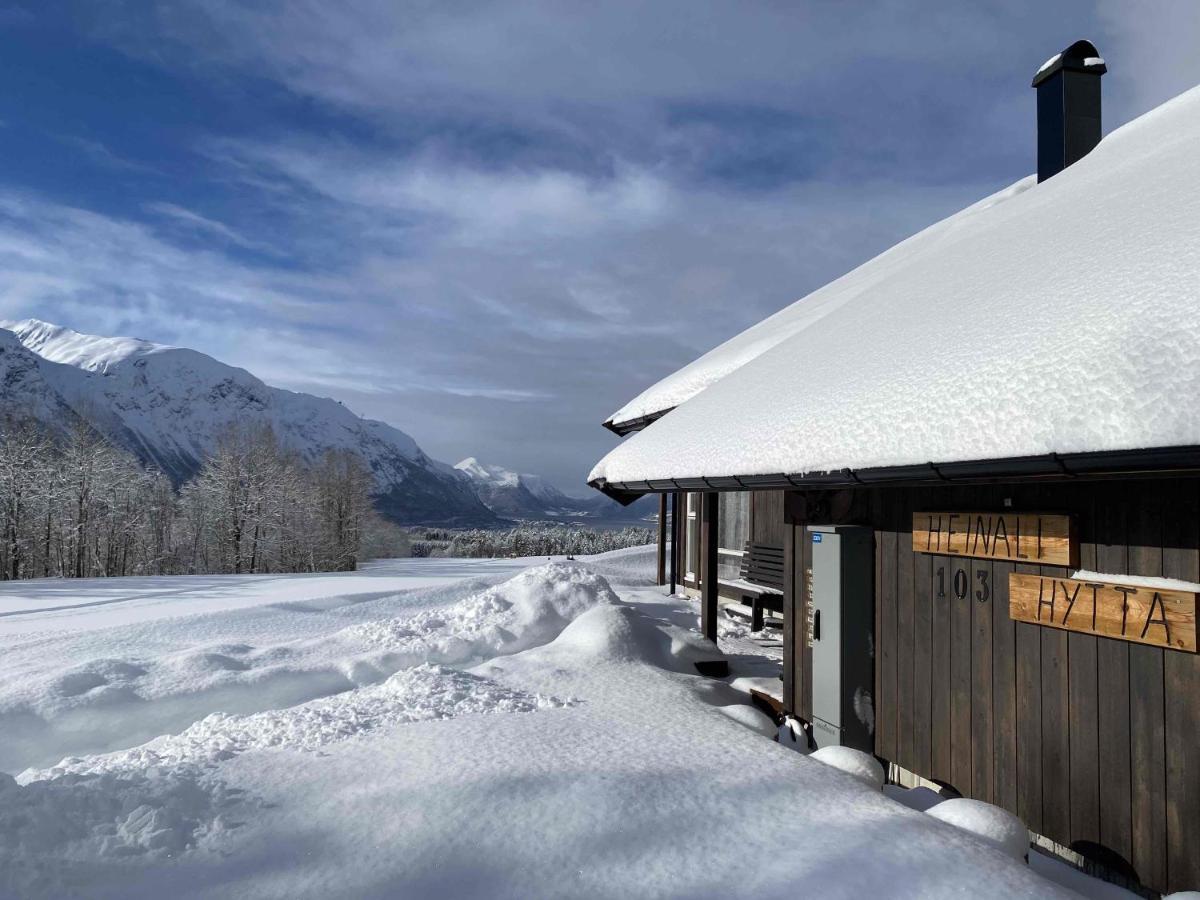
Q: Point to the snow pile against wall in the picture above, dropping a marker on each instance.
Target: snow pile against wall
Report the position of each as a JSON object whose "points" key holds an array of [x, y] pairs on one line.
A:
{"points": [[632, 565], [528, 610], [1059, 320]]}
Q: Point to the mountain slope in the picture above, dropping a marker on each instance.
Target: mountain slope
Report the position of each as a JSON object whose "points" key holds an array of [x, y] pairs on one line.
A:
{"points": [[169, 405], [517, 495]]}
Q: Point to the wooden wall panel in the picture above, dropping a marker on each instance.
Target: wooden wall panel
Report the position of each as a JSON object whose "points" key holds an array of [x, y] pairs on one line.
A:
{"points": [[905, 624], [1004, 692], [886, 715], [1083, 708], [958, 572], [1146, 710], [1056, 797], [790, 593], [980, 593], [1112, 688], [1090, 740], [767, 525], [939, 667], [922, 693], [1181, 691]]}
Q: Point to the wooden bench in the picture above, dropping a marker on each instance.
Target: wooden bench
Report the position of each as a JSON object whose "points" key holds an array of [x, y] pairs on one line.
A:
{"points": [[759, 581]]}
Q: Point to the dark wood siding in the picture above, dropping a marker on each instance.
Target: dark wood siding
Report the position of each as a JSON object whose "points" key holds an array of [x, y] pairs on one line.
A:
{"points": [[1091, 740], [767, 524]]}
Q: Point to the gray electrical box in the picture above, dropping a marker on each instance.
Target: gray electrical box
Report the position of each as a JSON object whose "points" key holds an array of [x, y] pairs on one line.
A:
{"points": [[841, 635]]}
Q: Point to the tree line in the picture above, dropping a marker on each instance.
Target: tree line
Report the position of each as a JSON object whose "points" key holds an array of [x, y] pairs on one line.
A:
{"points": [[529, 539], [75, 506]]}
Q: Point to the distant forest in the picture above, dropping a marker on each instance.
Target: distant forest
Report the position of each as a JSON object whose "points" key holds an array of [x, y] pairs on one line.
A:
{"points": [[74, 506], [529, 539]]}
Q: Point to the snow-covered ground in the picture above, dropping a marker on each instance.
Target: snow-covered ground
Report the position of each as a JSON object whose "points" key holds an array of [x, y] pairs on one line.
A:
{"points": [[427, 728]]}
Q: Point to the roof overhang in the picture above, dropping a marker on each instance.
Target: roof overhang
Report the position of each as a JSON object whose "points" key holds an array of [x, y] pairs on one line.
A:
{"points": [[629, 426], [1050, 467]]}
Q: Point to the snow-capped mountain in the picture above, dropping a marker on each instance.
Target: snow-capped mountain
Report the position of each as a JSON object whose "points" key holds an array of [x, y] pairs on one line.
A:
{"points": [[169, 405], [517, 495]]}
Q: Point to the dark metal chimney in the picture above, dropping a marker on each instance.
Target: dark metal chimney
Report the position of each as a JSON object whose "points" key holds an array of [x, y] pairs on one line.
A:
{"points": [[1068, 107]]}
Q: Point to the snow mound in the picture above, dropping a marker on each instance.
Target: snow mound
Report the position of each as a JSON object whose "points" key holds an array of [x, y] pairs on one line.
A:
{"points": [[413, 695], [862, 766], [630, 566], [527, 611], [752, 718], [991, 823]]}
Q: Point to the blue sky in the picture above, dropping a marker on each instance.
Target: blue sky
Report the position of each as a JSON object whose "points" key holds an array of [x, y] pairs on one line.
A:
{"points": [[490, 224]]}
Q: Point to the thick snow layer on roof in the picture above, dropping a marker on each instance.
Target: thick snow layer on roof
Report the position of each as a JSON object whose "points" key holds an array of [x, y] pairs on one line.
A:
{"points": [[789, 321], [1063, 319]]}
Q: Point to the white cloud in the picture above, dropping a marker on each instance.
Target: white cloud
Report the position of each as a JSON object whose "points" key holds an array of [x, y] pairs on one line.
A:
{"points": [[537, 208]]}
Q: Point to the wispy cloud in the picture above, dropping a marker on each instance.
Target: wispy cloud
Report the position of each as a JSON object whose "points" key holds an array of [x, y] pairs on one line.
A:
{"points": [[100, 154], [204, 225], [498, 220]]}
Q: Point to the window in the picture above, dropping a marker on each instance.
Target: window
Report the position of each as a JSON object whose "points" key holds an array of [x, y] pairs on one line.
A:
{"points": [[733, 531], [691, 544]]}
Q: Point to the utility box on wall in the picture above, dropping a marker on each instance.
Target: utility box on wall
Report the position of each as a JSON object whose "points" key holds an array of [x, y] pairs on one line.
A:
{"points": [[841, 635]]}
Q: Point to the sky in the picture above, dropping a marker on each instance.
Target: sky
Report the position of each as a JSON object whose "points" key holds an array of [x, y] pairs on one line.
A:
{"points": [[492, 224]]}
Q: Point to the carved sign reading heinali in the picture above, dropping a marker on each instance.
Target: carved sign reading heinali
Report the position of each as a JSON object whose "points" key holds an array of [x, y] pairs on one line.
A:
{"points": [[1148, 615], [1023, 537]]}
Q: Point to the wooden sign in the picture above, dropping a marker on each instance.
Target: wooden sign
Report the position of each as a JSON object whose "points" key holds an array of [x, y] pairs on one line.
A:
{"points": [[1165, 618], [1021, 537]]}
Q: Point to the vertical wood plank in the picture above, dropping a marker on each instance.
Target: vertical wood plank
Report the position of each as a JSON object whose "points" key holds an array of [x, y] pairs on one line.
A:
{"points": [[940, 705], [1029, 720], [790, 603], [1147, 714], [923, 610], [957, 588], [886, 716], [1004, 692], [880, 727], [1056, 793], [709, 519], [1083, 697], [980, 597], [1181, 673], [905, 618], [1112, 683]]}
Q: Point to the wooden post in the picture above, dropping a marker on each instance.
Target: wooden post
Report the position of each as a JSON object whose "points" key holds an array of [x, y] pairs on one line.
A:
{"points": [[674, 540], [709, 517], [662, 539]]}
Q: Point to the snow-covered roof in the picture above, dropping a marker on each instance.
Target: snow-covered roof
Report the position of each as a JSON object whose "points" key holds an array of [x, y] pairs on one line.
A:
{"points": [[774, 330], [1061, 320]]}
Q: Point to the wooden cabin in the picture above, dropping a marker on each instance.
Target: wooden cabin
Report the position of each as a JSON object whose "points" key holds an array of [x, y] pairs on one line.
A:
{"points": [[1007, 402]]}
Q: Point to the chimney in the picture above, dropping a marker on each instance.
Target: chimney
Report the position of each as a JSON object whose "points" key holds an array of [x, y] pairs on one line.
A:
{"points": [[1068, 107]]}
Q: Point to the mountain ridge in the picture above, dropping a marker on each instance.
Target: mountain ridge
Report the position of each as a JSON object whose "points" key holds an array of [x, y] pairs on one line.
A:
{"points": [[520, 495], [168, 405]]}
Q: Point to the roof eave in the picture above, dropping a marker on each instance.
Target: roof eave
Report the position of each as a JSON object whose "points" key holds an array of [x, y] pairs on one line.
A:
{"points": [[1052, 466]]}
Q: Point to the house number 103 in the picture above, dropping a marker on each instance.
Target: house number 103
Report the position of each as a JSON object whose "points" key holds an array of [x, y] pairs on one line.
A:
{"points": [[983, 591]]}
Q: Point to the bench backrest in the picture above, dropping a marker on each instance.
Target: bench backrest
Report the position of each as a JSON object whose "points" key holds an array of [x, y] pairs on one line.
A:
{"points": [[763, 564]]}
